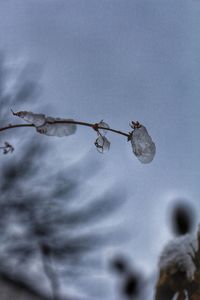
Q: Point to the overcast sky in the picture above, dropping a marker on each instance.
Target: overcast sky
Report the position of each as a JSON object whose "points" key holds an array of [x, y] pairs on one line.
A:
{"points": [[121, 60]]}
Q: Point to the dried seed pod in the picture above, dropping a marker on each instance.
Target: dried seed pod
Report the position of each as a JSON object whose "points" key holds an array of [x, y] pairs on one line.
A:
{"points": [[142, 144]]}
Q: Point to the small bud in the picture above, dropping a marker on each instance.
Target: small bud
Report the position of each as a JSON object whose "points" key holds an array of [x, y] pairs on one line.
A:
{"points": [[135, 125]]}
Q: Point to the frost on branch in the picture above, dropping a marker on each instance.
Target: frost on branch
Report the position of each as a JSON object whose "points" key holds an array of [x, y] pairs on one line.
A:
{"points": [[57, 129], [48, 125], [28, 116], [142, 144]]}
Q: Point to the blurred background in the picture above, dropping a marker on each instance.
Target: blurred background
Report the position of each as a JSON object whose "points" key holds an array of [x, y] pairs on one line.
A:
{"points": [[73, 220]]}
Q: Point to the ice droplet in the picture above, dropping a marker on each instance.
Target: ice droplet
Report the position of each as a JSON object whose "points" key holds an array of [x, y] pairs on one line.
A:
{"points": [[102, 144], [142, 144]]}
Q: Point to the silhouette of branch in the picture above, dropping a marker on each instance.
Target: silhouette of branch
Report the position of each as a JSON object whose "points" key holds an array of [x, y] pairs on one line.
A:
{"points": [[49, 270]]}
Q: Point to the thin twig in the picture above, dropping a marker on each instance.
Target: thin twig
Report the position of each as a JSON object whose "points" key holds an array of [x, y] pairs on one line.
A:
{"points": [[10, 126], [92, 125]]}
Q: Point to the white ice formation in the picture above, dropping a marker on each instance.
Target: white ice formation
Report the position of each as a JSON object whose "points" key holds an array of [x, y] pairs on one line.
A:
{"points": [[142, 144], [48, 125]]}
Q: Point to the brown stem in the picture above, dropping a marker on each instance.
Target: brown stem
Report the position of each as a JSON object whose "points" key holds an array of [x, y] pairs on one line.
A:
{"points": [[94, 126], [10, 126]]}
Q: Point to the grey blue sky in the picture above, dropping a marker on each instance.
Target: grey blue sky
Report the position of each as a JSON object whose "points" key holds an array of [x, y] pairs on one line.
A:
{"points": [[121, 60]]}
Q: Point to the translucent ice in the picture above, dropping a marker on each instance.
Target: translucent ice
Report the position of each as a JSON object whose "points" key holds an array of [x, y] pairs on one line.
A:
{"points": [[102, 144], [142, 144], [48, 125], [103, 131], [28, 116], [57, 129]]}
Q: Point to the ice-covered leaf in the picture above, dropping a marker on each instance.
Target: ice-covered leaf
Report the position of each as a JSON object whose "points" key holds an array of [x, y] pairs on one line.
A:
{"points": [[57, 129], [30, 117], [142, 144], [103, 131], [102, 144]]}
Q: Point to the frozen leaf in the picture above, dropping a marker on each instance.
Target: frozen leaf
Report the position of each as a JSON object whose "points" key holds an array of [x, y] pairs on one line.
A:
{"points": [[28, 116], [103, 131], [102, 144], [57, 129], [142, 144]]}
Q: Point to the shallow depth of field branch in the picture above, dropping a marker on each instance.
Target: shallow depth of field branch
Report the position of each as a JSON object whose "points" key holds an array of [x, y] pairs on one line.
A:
{"points": [[142, 144]]}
